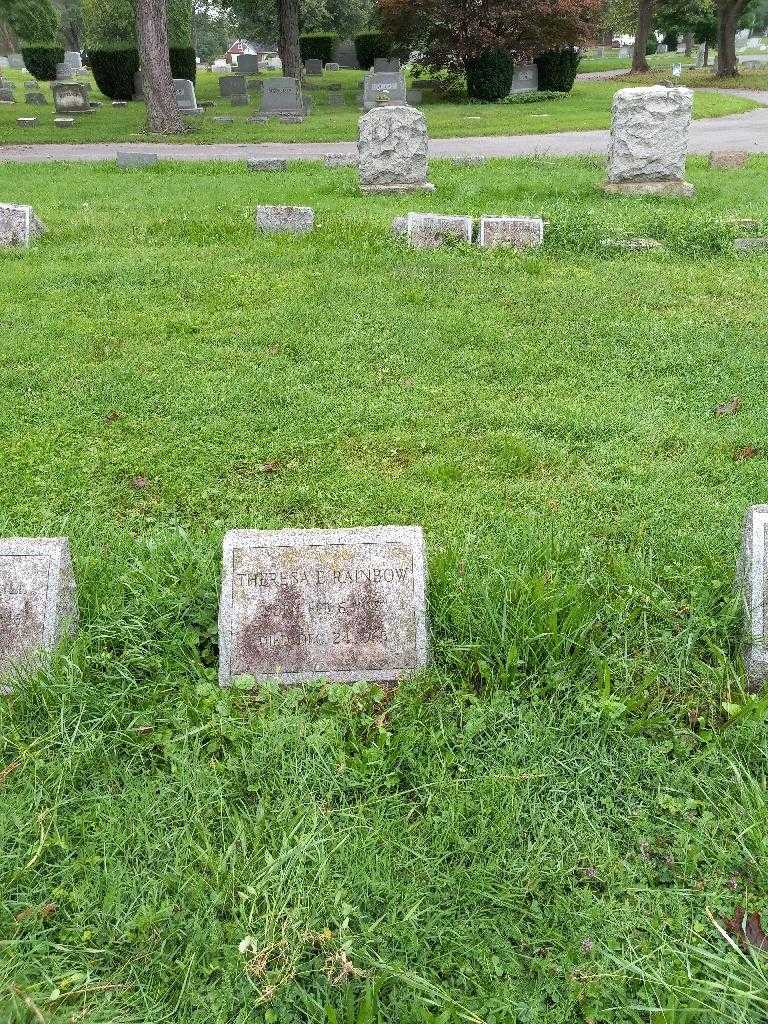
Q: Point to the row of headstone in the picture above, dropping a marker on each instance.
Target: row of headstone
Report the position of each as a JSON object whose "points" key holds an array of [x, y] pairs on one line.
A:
{"points": [[432, 230], [301, 605], [296, 605]]}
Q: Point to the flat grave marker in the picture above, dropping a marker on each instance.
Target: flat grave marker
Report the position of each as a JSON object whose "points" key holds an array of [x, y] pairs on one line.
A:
{"points": [[342, 605]]}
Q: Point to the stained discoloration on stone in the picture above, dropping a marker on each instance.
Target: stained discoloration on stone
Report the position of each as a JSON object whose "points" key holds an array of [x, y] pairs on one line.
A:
{"points": [[728, 159], [431, 230], [70, 98], [37, 599], [512, 232], [19, 225], [295, 220], [343, 605]]}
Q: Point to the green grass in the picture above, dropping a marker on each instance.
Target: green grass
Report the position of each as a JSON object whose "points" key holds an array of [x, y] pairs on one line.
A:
{"points": [[587, 107], [535, 830]]}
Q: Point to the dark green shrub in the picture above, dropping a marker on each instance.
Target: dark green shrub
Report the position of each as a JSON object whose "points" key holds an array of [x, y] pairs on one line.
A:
{"points": [[318, 46], [534, 97], [114, 71], [671, 40], [369, 46], [651, 47], [41, 61], [489, 76], [183, 62], [557, 69]]}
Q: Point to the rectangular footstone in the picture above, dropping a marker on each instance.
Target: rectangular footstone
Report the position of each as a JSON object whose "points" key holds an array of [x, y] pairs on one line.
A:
{"points": [[64, 122], [431, 230], [295, 220], [26, 122], [19, 225], [265, 163], [125, 160], [515, 232], [341, 605], [333, 160], [37, 599]]}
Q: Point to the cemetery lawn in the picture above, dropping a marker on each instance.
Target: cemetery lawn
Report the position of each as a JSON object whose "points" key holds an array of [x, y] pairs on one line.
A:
{"points": [[587, 107], [545, 827]]}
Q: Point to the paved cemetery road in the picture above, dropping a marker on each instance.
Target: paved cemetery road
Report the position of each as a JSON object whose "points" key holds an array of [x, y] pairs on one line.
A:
{"points": [[747, 132]]}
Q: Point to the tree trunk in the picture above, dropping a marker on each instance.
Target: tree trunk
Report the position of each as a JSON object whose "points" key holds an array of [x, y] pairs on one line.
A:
{"points": [[728, 14], [288, 43], [152, 32], [642, 32]]}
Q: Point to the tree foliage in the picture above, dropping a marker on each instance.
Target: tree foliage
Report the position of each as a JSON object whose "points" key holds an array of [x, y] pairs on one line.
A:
{"points": [[451, 33], [111, 24], [33, 21], [257, 19]]}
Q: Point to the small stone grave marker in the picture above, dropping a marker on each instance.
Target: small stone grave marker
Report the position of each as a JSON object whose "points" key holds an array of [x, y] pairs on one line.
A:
{"points": [[313, 67], [514, 232], [119, 103], [15, 62], [64, 122], [265, 163], [35, 99], [26, 122], [342, 605], [19, 225], [224, 119], [138, 85], [294, 220], [37, 599], [334, 160], [239, 100], [331, 66], [7, 95], [414, 97], [248, 64], [70, 98], [431, 230], [728, 159], [130, 158]]}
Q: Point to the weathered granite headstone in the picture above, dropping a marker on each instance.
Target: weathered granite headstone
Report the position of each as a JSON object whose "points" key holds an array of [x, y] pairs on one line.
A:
{"points": [[525, 78], [248, 64], [386, 86], [625, 51], [313, 67], [293, 220], [224, 119], [265, 163], [758, 243], [431, 230], [753, 571], [342, 605], [334, 160], [332, 66], [281, 96], [346, 54], [38, 606], [233, 85], [185, 95], [131, 158], [632, 244], [73, 59], [7, 95], [19, 225], [15, 62], [26, 122], [662, 49], [63, 72], [35, 99], [392, 150], [514, 232], [649, 139], [239, 101], [70, 98]]}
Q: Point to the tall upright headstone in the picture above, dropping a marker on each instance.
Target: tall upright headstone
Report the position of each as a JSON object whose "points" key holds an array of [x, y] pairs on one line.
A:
{"points": [[185, 95], [649, 141], [342, 605], [37, 599], [393, 147], [247, 64], [384, 86], [281, 96], [525, 78], [70, 98]]}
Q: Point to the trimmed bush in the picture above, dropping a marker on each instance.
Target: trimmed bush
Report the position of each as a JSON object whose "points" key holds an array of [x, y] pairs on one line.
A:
{"points": [[489, 76], [114, 71], [533, 97], [41, 61], [671, 40], [318, 46], [651, 47], [183, 62], [369, 46], [557, 69]]}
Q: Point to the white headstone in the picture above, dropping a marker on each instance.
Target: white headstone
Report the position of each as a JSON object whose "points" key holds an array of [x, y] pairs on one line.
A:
{"points": [[431, 230], [19, 225]]}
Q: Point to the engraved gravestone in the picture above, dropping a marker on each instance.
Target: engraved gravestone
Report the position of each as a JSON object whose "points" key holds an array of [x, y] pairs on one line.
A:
{"points": [[386, 86], [70, 98], [342, 605], [313, 67], [281, 96], [524, 79], [37, 598], [233, 85], [392, 147], [15, 61], [248, 64]]}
